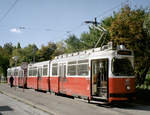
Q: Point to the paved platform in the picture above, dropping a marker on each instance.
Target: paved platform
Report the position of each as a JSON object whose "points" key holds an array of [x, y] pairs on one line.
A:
{"points": [[59, 105], [52, 104]]}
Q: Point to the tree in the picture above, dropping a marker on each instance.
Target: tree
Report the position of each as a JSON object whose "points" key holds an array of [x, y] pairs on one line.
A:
{"points": [[5, 54], [72, 44], [60, 49], [19, 53], [18, 45], [146, 27], [4, 63], [46, 52], [8, 48], [29, 52], [127, 28], [90, 40]]}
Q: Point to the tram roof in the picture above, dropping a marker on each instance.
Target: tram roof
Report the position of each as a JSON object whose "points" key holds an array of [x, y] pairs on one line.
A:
{"points": [[39, 63], [105, 51], [13, 68]]}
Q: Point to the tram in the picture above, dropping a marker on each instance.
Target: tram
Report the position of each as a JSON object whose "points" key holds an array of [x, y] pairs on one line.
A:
{"points": [[18, 75], [99, 73], [38, 76], [102, 74]]}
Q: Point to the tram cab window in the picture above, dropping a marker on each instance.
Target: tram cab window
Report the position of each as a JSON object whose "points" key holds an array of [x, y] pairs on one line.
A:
{"points": [[122, 67]]}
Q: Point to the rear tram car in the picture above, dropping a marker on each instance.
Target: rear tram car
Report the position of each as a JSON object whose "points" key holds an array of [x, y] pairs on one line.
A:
{"points": [[18, 74], [38, 76], [95, 74]]}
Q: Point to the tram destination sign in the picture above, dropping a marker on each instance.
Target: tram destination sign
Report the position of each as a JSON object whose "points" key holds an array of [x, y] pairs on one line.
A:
{"points": [[121, 52]]}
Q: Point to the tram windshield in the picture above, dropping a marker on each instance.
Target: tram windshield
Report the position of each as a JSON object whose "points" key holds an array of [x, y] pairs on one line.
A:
{"points": [[122, 67]]}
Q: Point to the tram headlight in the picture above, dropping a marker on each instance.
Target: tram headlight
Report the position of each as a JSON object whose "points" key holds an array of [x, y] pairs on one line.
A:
{"points": [[128, 87]]}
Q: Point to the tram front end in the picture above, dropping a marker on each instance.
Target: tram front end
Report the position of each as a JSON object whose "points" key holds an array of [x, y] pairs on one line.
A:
{"points": [[122, 79]]}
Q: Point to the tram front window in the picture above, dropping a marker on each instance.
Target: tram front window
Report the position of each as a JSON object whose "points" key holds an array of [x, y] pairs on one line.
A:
{"points": [[122, 67]]}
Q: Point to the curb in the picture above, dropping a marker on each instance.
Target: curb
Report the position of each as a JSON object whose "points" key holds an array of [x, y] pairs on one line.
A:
{"points": [[28, 103]]}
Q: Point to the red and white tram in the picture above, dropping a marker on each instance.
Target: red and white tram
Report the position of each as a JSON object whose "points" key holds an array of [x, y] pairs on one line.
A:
{"points": [[38, 76], [95, 74], [17, 74]]}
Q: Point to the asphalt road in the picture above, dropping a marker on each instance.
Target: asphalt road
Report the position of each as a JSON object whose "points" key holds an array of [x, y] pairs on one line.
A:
{"points": [[9, 106], [59, 105]]}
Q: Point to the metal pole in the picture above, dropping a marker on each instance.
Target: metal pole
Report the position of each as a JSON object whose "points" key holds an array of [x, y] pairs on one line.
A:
{"points": [[23, 79], [34, 55], [15, 58], [15, 71]]}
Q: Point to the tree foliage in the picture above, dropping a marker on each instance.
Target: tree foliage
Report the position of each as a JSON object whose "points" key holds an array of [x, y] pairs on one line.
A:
{"points": [[46, 52], [130, 27], [127, 28], [72, 44], [60, 49], [4, 62]]}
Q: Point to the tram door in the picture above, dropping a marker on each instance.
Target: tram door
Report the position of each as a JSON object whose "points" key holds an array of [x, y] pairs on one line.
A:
{"points": [[39, 79], [100, 78], [62, 77]]}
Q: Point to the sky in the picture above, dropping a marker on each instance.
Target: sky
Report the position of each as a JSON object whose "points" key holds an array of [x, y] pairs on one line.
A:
{"points": [[42, 21]]}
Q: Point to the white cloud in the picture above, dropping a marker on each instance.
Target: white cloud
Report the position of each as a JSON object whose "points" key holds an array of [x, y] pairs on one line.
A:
{"points": [[15, 30]]}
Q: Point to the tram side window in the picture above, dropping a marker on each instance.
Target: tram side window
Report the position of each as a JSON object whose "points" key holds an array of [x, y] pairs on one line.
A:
{"points": [[9, 73], [45, 68], [21, 73], [40, 72], [34, 71], [54, 69], [16, 72], [30, 71], [12, 73], [25, 72], [72, 68], [83, 67]]}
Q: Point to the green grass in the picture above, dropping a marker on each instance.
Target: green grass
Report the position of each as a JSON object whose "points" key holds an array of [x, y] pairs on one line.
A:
{"points": [[146, 85], [3, 82]]}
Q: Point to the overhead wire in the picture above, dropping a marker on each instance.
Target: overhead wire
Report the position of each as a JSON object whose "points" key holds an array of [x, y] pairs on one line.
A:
{"points": [[66, 32], [9, 9], [70, 31], [118, 5], [111, 9]]}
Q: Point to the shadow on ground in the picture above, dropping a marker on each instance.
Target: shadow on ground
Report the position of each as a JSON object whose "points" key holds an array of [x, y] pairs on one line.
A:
{"points": [[5, 108], [129, 106]]}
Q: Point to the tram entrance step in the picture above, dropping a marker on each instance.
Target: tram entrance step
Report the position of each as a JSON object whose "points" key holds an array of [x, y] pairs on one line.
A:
{"points": [[98, 98]]}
